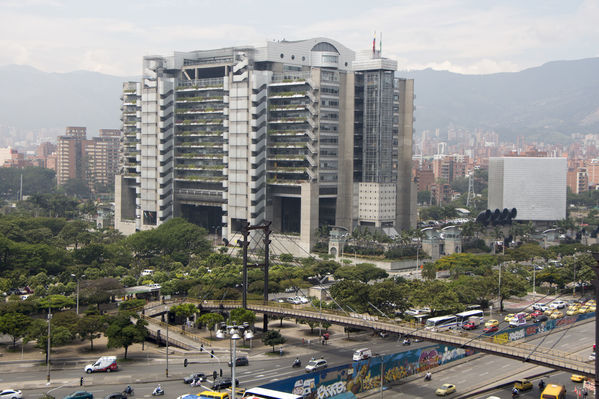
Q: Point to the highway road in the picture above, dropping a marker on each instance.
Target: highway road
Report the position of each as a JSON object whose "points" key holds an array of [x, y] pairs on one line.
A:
{"points": [[468, 375]]}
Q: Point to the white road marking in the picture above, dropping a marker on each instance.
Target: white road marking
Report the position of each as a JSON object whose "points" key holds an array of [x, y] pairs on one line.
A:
{"points": [[485, 373], [505, 365]]}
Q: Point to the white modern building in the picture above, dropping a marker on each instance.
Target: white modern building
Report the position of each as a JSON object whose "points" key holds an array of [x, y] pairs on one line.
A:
{"points": [[536, 187], [301, 133]]}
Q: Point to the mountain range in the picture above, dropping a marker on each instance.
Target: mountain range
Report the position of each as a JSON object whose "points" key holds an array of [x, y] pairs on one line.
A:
{"points": [[549, 102]]}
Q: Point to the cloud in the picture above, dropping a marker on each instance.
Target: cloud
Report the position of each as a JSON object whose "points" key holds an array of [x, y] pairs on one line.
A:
{"points": [[465, 36]]}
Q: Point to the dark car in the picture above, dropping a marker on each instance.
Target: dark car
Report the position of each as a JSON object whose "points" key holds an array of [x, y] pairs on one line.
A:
{"points": [[540, 318], [490, 329], [192, 377], [116, 395], [240, 361], [80, 395], [223, 383]]}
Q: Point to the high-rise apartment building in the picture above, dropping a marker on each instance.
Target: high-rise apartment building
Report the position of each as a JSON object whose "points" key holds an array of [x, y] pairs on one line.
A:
{"points": [[94, 161], [299, 133], [70, 162]]}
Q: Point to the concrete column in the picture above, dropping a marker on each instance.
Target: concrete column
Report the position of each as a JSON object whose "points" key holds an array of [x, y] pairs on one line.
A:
{"points": [[309, 213]]}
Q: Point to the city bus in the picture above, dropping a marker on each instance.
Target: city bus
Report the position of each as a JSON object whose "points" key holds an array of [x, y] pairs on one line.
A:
{"points": [[465, 316], [268, 394], [441, 323]]}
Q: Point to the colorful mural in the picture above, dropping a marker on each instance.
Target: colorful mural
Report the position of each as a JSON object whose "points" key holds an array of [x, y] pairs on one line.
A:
{"points": [[348, 380]]}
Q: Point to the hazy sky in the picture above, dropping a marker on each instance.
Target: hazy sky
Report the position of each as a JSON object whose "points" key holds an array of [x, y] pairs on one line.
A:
{"points": [[465, 36]]}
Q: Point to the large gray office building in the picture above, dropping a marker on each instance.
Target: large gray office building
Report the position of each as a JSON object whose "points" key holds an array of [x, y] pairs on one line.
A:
{"points": [[303, 134]]}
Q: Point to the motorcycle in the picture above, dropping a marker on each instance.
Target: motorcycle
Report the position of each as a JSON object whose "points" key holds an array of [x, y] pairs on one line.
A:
{"points": [[406, 341], [158, 391], [196, 383], [296, 363], [128, 391], [428, 377]]}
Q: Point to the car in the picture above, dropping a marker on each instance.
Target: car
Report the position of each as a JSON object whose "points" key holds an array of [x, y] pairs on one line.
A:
{"points": [[523, 384], [509, 317], [193, 377], [116, 395], [578, 378], [11, 394], [223, 383], [469, 326], [573, 310], [540, 319], [315, 365], [294, 300], [240, 361], [556, 315], [80, 395], [540, 306], [549, 312], [536, 313], [492, 323], [592, 356], [445, 390], [557, 304], [490, 329], [583, 309]]}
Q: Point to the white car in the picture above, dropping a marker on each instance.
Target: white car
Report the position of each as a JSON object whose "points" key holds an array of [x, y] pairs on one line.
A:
{"points": [[10, 394], [315, 365], [302, 299], [540, 306], [557, 305]]}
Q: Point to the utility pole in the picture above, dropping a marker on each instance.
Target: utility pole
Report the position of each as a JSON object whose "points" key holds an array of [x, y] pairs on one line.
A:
{"points": [[245, 232]]}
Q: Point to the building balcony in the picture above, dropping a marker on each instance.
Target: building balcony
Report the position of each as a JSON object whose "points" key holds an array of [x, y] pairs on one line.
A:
{"points": [[184, 100]]}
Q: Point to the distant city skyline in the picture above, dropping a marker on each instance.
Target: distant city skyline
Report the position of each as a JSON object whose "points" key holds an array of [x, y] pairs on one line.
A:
{"points": [[463, 36]]}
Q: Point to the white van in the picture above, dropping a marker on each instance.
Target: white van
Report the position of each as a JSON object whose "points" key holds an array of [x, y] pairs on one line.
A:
{"points": [[361, 354], [518, 320], [105, 363]]}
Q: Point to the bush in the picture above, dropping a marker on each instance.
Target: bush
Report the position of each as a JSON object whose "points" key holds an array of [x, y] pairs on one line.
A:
{"points": [[132, 304], [401, 252]]}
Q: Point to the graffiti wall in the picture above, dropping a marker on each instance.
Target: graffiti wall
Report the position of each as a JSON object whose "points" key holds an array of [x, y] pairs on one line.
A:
{"points": [[348, 380], [513, 334]]}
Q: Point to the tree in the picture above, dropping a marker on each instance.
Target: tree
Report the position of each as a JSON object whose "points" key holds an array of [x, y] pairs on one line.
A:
{"points": [[184, 310], [38, 331], [363, 272], [122, 333], [90, 327], [311, 323], [56, 302], [15, 325], [210, 320], [351, 293], [511, 285], [241, 316], [273, 338]]}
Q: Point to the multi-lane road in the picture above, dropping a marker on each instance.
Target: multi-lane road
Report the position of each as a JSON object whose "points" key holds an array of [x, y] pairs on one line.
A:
{"points": [[470, 375]]}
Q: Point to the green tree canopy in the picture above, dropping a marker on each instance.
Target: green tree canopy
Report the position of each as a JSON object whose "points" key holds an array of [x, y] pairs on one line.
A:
{"points": [[210, 320], [122, 333], [363, 272], [90, 327], [273, 338], [15, 325]]}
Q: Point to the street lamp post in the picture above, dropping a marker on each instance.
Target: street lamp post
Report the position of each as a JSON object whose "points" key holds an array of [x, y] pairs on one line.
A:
{"points": [[166, 371], [78, 279], [48, 349], [234, 332]]}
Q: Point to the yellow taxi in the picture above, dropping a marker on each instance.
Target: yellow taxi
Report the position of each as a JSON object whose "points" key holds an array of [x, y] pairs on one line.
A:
{"points": [[492, 323], [548, 312], [528, 316], [523, 384], [592, 308], [556, 315], [573, 310], [509, 317], [578, 378], [445, 389], [583, 309], [591, 302]]}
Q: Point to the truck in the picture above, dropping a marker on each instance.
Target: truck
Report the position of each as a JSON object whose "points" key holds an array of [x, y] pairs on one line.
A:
{"points": [[105, 363]]}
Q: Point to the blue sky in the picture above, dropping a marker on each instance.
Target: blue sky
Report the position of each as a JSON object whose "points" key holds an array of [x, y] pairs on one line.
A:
{"points": [[464, 36]]}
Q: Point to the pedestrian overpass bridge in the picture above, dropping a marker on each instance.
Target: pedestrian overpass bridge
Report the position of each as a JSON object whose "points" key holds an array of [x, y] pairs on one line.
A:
{"points": [[516, 350]]}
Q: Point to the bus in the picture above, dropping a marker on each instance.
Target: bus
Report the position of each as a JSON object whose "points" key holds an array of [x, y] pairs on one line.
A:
{"points": [[465, 316], [441, 323], [269, 394]]}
